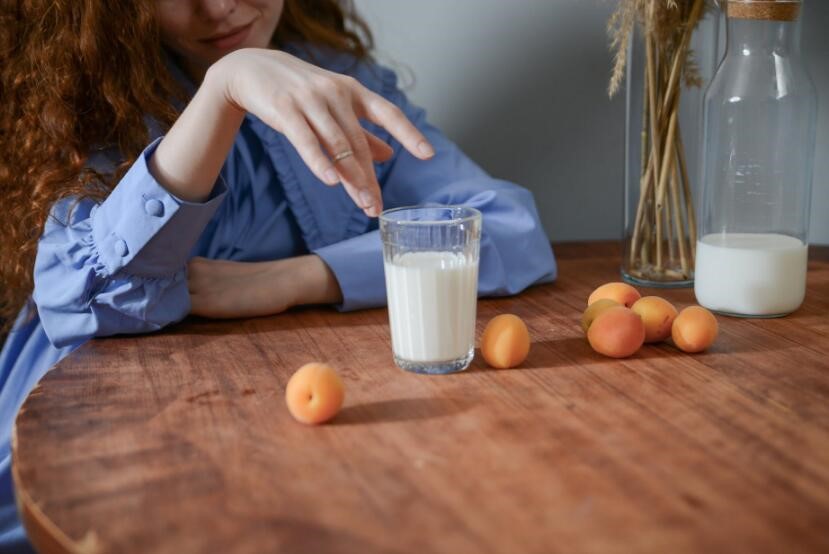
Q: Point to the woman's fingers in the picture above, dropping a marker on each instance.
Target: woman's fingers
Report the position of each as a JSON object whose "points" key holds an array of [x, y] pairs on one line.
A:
{"points": [[318, 111], [380, 111], [348, 150], [321, 121], [299, 133], [347, 120]]}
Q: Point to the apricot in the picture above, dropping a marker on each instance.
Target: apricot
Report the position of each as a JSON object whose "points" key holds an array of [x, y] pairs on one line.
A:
{"points": [[314, 393], [694, 329], [620, 292], [594, 310], [658, 316], [505, 342], [618, 332]]}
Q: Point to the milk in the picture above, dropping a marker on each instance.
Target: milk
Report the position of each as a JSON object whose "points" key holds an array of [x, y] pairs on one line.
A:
{"points": [[758, 274], [432, 300]]}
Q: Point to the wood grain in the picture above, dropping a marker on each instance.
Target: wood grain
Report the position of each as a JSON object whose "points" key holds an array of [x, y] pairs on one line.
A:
{"points": [[180, 441]]}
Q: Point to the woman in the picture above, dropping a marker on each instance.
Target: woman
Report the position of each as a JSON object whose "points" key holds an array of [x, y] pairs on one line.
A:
{"points": [[168, 157]]}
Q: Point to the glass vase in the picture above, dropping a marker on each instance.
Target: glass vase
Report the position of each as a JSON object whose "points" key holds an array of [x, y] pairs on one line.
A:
{"points": [[671, 58]]}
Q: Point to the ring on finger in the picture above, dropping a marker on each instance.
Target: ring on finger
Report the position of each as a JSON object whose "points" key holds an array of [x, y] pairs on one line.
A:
{"points": [[343, 155]]}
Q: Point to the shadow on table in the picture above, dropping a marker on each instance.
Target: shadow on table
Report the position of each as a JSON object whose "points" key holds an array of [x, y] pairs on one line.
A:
{"points": [[569, 352], [547, 354], [309, 317], [400, 409]]}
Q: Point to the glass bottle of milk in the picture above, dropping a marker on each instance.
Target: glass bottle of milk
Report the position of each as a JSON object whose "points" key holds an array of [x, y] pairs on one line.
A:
{"points": [[757, 156]]}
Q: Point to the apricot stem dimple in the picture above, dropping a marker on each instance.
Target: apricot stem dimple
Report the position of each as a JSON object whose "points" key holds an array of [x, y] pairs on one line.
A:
{"points": [[314, 393]]}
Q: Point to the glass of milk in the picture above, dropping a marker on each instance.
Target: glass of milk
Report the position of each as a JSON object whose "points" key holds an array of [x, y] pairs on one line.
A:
{"points": [[430, 256]]}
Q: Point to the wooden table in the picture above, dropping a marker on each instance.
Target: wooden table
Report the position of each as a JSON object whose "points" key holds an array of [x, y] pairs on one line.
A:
{"points": [[181, 442]]}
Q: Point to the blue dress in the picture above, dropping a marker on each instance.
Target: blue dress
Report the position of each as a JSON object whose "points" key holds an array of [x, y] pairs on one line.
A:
{"points": [[119, 267]]}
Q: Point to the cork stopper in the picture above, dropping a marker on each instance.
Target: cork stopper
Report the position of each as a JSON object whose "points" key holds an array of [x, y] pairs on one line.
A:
{"points": [[769, 10]]}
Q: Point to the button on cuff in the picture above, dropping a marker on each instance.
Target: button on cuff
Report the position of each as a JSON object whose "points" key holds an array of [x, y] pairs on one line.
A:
{"points": [[154, 207], [120, 247]]}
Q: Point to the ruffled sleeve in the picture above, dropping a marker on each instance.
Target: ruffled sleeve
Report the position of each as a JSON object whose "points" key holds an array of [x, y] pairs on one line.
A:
{"points": [[118, 267]]}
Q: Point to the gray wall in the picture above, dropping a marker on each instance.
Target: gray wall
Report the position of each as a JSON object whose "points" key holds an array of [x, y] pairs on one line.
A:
{"points": [[520, 86]]}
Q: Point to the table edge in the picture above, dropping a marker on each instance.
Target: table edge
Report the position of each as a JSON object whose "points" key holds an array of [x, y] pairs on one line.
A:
{"points": [[42, 532]]}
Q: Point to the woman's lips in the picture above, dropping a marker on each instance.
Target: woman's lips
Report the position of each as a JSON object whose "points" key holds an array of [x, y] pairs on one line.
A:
{"points": [[230, 40]]}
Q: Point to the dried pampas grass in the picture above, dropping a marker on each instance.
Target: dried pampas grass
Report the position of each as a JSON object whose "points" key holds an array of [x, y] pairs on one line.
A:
{"points": [[665, 222]]}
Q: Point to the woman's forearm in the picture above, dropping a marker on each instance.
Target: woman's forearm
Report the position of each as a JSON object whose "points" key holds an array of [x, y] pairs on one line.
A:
{"points": [[221, 288], [188, 159], [311, 279]]}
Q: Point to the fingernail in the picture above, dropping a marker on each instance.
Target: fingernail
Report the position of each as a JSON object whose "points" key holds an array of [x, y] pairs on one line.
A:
{"points": [[426, 149], [330, 176], [366, 198]]}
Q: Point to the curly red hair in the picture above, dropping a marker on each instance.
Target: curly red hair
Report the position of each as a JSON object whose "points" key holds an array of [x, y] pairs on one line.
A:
{"points": [[79, 75]]}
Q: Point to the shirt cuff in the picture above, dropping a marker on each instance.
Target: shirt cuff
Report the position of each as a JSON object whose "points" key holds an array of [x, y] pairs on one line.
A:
{"points": [[146, 229], [357, 264]]}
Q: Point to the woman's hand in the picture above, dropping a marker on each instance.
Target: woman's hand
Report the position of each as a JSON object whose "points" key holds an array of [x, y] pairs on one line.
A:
{"points": [[318, 111], [225, 289]]}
